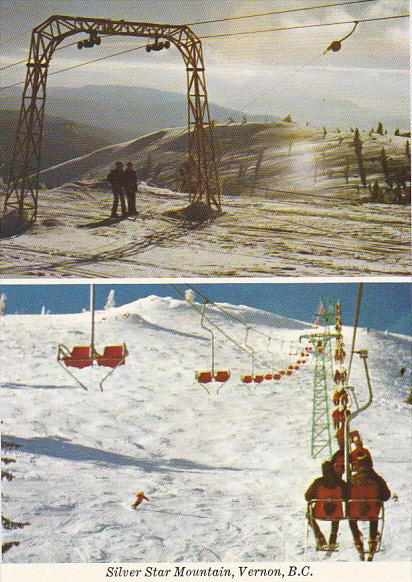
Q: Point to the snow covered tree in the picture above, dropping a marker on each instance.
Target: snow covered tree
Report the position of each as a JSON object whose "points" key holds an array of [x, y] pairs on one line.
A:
{"points": [[110, 302], [3, 304], [190, 295]]}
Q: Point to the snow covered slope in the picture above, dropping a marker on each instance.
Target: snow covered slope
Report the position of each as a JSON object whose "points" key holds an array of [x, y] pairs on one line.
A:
{"points": [[225, 474], [290, 209]]}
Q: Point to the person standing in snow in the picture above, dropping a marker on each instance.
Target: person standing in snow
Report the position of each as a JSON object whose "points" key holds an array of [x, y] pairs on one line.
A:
{"points": [[329, 487], [116, 179], [377, 489], [139, 498], [130, 184]]}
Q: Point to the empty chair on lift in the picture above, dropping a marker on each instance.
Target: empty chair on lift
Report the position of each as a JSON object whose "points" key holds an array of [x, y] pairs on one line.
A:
{"points": [[222, 376], [204, 377], [112, 356], [247, 378], [79, 357]]}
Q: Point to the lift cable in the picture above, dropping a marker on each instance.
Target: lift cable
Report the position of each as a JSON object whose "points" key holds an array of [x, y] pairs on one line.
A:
{"points": [[288, 11], [302, 26], [301, 9], [57, 49], [355, 326], [242, 347], [81, 64], [227, 313], [227, 35]]}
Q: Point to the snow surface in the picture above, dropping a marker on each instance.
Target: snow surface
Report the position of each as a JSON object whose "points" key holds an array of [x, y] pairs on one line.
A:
{"points": [[225, 474]]}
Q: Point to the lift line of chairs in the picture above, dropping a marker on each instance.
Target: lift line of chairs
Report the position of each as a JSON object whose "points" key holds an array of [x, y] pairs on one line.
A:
{"points": [[206, 377]]}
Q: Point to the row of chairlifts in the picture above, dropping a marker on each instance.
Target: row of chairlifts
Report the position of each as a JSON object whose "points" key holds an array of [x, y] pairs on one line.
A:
{"points": [[221, 376], [86, 356]]}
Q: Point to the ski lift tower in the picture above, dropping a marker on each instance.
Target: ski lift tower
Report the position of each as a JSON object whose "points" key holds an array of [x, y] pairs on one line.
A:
{"points": [[23, 184], [322, 348]]}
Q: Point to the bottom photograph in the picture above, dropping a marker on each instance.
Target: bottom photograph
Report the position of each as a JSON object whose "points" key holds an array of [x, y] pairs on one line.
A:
{"points": [[215, 422]]}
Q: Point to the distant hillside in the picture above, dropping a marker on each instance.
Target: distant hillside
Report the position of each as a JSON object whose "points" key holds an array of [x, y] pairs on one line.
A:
{"points": [[63, 140], [253, 157], [129, 111]]}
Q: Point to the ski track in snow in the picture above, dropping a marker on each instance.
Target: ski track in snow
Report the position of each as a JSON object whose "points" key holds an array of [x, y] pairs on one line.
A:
{"points": [[225, 474], [284, 235]]}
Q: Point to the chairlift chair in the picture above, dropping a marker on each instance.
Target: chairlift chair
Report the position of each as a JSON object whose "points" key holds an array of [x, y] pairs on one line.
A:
{"points": [[251, 377], [86, 356], [210, 376]]}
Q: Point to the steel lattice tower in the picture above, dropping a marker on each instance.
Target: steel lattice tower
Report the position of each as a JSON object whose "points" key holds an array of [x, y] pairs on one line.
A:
{"points": [[322, 347], [23, 183]]}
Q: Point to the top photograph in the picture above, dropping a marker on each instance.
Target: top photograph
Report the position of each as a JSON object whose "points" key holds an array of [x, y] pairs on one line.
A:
{"points": [[153, 139]]}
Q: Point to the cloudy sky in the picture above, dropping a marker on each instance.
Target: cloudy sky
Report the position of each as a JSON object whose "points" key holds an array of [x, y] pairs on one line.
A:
{"points": [[259, 73]]}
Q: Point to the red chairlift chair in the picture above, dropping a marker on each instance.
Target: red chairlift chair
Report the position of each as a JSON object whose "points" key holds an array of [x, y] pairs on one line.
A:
{"points": [[210, 376], [247, 379], [85, 356]]}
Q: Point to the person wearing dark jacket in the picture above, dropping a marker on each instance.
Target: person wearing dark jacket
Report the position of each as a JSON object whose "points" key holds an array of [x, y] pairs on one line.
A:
{"points": [[328, 488], [116, 179], [366, 482], [130, 185]]}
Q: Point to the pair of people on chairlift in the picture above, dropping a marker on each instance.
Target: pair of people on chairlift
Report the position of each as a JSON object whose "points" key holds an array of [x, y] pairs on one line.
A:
{"points": [[365, 489]]}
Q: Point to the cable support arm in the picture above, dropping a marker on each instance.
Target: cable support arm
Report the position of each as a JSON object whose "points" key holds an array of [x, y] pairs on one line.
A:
{"points": [[363, 354], [224, 333], [212, 337], [227, 313]]}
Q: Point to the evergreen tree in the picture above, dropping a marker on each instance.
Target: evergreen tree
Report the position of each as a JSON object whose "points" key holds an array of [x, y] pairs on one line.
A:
{"points": [[380, 128], [110, 302], [8, 524], [357, 144], [385, 168], [3, 304]]}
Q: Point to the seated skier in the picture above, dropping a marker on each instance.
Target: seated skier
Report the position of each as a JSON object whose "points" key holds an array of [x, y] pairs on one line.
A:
{"points": [[329, 487], [366, 486]]}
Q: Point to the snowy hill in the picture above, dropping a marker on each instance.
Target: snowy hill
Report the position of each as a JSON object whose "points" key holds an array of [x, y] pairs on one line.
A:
{"points": [[225, 474], [288, 211]]}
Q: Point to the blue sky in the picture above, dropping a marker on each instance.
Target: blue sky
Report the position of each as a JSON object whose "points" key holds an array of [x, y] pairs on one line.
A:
{"points": [[384, 305]]}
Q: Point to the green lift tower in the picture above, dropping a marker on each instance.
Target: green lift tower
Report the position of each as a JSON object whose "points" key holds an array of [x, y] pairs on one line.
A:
{"points": [[321, 341]]}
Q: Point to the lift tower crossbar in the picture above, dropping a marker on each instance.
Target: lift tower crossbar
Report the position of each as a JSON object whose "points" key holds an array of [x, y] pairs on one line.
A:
{"points": [[23, 183]]}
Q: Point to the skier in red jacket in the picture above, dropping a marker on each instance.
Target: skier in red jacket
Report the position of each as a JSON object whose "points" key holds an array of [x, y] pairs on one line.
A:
{"points": [[139, 498]]}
